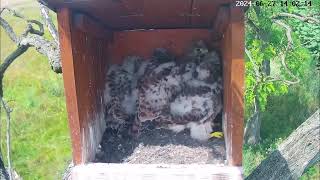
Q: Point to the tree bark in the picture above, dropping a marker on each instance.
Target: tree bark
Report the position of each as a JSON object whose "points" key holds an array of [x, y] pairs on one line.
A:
{"points": [[253, 126], [295, 155], [252, 129], [3, 171]]}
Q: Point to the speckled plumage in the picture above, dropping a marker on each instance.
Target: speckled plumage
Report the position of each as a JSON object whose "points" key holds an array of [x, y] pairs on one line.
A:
{"points": [[121, 92], [183, 95], [171, 94]]}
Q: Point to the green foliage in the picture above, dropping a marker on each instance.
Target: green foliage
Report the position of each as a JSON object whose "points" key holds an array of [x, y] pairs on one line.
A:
{"points": [[283, 114], [284, 107], [269, 48], [266, 41]]}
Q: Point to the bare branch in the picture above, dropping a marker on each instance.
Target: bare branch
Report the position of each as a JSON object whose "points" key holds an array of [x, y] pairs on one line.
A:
{"points": [[31, 37], [9, 60], [255, 67], [8, 111], [288, 30], [284, 64], [14, 13], [6, 26], [34, 38], [298, 17], [31, 30], [287, 82], [48, 21], [48, 48], [282, 55]]}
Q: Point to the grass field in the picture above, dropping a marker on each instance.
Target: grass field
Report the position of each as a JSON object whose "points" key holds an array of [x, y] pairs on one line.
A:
{"points": [[40, 137]]}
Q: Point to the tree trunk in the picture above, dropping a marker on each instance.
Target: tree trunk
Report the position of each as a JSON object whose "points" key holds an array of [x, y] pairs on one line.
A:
{"points": [[252, 129], [3, 170], [295, 155]]}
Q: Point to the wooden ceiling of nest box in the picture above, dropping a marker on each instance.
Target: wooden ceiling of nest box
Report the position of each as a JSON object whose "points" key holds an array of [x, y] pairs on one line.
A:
{"points": [[146, 14]]}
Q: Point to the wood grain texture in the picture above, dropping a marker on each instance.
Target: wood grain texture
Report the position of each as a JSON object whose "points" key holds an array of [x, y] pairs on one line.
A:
{"points": [[221, 22], [147, 14], [91, 26], [295, 155], [232, 46], [83, 62], [64, 27], [143, 42], [87, 48], [155, 172]]}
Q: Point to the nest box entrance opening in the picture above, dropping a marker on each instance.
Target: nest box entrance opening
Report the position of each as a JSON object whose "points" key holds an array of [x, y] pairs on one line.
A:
{"points": [[96, 34], [163, 98]]}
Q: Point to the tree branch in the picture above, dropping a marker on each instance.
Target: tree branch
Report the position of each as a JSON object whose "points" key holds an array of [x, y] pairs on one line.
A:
{"points": [[298, 17], [31, 30], [255, 67], [282, 55], [8, 111], [9, 60], [6, 26], [288, 30], [31, 37], [48, 21], [34, 38]]}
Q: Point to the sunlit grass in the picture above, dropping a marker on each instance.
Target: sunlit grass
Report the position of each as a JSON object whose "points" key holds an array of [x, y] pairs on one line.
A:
{"points": [[40, 136]]}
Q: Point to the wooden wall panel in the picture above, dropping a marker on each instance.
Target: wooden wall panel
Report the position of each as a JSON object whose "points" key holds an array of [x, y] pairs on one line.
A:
{"points": [[85, 56], [203, 12], [143, 42], [146, 14], [83, 62], [166, 13], [69, 81], [232, 46]]}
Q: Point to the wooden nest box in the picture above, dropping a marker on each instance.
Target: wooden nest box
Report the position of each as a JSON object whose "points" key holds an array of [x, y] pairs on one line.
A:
{"points": [[96, 33]]}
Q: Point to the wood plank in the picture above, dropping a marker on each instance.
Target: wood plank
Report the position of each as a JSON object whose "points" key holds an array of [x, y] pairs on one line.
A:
{"points": [[83, 61], [143, 42], [204, 12], [91, 26], [146, 14], [64, 19], [221, 22], [155, 172], [232, 46], [166, 13]]}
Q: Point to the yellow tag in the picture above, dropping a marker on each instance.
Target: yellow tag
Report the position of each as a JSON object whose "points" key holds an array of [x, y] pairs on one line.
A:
{"points": [[216, 134]]}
